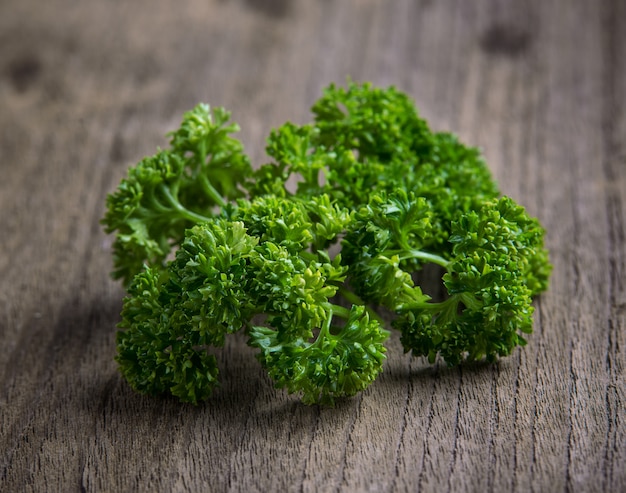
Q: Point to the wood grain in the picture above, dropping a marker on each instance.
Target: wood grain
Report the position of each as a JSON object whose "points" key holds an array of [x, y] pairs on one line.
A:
{"points": [[88, 88]]}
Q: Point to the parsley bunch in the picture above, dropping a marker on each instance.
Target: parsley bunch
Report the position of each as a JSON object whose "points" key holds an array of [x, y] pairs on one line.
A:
{"points": [[299, 252]]}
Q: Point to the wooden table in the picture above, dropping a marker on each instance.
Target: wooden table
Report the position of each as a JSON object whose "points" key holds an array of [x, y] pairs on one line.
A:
{"points": [[88, 88]]}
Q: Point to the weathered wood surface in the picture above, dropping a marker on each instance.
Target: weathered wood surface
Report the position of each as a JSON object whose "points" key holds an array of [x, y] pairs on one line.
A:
{"points": [[88, 88]]}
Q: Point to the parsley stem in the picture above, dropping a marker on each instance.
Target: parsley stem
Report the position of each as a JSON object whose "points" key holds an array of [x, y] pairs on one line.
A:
{"points": [[184, 212], [350, 296], [338, 310], [429, 257], [353, 298], [325, 329], [430, 306], [211, 191]]}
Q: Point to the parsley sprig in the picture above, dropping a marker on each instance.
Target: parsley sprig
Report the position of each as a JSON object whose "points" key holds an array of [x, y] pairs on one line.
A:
{"points": [[299, 253]]}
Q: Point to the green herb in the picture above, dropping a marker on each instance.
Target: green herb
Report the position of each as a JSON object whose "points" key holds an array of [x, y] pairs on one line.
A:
{"points": [[300, 252]]}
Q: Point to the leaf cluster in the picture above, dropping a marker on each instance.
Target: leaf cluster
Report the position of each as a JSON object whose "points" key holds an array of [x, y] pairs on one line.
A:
{"points": [[300, 252]]}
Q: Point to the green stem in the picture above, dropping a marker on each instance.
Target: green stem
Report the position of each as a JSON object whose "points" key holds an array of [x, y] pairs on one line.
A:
{"points": [[338, 310], [356, 300], [430, 305], [185, 213], [350, 296], [211, 191], [325, 329], [429, 257], [156, 205], [470, 301]]}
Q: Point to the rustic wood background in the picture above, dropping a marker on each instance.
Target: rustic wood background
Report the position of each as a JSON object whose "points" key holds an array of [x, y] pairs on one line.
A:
{"points": [[88, 88]]}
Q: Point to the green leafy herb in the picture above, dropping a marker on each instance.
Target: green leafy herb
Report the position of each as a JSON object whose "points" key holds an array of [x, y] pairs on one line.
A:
{"points": [[300, 252]]}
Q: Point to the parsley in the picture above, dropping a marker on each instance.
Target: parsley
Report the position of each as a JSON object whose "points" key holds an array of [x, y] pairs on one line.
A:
{"points": [[302, 268]]}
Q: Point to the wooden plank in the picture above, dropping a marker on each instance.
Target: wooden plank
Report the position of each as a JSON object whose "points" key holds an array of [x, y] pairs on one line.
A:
{"points": [[613, 192], [87, 89]]}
